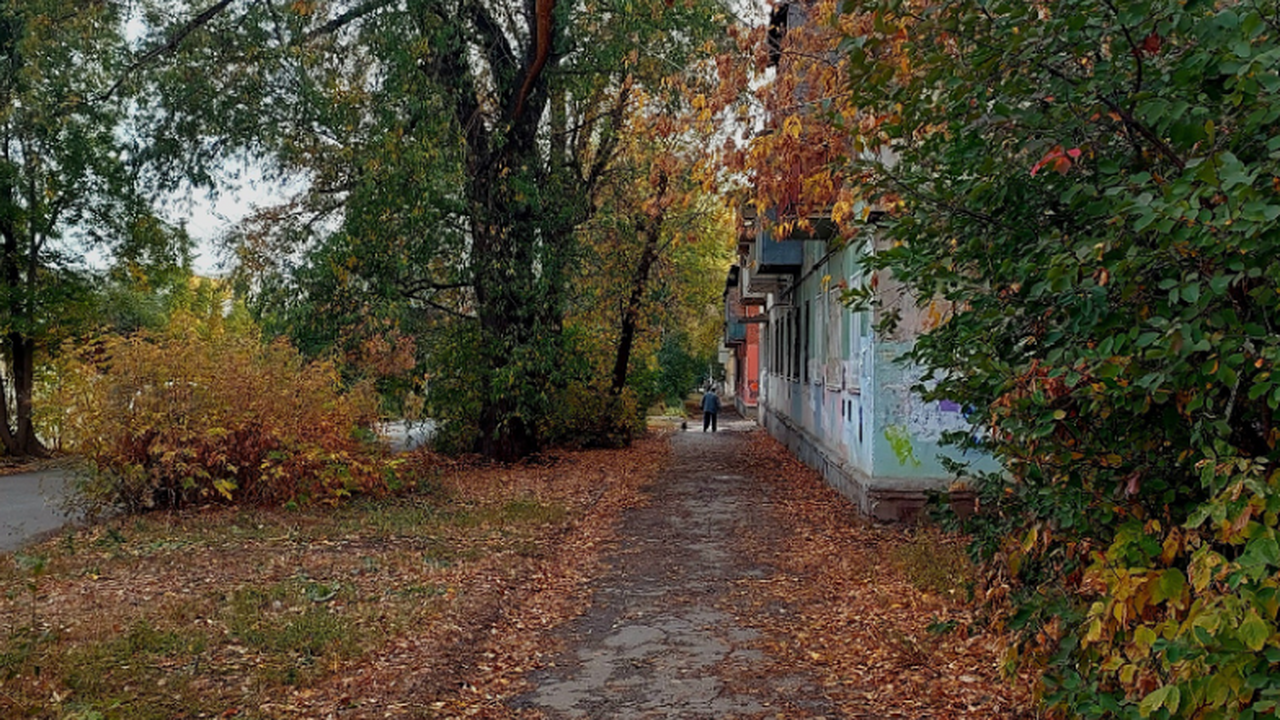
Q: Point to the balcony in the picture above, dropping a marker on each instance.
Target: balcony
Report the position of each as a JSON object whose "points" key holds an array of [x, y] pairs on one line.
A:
{"points": [[772, 256], [734, 331], [768, 264]]}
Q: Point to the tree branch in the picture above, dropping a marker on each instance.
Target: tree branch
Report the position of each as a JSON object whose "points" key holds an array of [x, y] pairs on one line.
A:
{"points": [[1134, 50], [411, 288], [1127, 117], [444, 308], [343, 20], [169, 46], [544, 22], [951, 207], [604, 152]]}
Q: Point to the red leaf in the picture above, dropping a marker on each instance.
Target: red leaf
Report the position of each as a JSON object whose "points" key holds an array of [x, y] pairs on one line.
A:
{"points": [[1151, 45], [1057, 159]]}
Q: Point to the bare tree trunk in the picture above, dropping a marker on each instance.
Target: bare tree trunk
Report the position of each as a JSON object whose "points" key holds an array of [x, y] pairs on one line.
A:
{"points": [[7, 439], [650, 228], [17, 430], [651, 231], [26, 443], [11, 277]]}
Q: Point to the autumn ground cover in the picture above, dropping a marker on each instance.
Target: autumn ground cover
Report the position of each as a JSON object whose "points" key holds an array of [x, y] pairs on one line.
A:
{"points": [[439, 604], [880, 613], [366, 609]]}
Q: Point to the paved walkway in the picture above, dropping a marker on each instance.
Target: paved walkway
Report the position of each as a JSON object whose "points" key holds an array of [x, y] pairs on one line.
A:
{"points": [[30, 506], [664, 637]]}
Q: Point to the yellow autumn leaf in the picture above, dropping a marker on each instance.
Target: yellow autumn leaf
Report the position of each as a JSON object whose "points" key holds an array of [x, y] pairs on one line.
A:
{"points": [[791, 126]]}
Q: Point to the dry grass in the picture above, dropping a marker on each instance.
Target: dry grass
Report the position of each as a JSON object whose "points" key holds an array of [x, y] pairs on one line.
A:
{"points": [[279, 613], [936, 563]]}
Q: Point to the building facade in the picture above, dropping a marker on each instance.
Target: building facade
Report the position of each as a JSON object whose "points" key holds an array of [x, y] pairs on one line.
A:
{"points": [[743, 318], [831, 388]]}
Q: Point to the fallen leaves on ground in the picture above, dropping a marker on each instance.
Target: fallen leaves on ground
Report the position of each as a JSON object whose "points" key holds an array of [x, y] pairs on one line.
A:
{"points": [[441, 604], [432, 605], [842, 608]]}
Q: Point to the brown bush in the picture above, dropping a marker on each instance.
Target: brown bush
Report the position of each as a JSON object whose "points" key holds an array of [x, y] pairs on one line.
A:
{"points": [[209, 413]]}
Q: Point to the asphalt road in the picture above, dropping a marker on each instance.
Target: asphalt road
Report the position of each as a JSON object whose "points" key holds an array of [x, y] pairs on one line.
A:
{"points": [[30, 506]]}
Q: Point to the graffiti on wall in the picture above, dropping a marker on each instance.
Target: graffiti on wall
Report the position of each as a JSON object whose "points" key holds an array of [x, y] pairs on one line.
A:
{"points": [[925, 421]]}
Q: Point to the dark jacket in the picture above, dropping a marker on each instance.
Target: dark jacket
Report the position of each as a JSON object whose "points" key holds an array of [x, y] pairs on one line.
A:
{"points": [[711, 402]]}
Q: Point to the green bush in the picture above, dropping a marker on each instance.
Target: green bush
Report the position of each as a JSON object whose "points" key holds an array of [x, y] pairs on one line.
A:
{"points": [[1091, 191]]}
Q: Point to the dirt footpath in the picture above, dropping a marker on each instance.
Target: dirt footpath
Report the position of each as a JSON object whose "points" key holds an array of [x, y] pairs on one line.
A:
{"points": [[665, 635]]}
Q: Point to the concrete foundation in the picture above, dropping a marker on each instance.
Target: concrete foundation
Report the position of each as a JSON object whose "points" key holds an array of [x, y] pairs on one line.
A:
{"points": [[891, 499]]}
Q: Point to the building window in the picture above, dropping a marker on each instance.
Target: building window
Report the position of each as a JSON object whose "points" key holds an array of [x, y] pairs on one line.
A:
{"points": [[854, 381], [782, 343], [796, 329], [774, 332], [779, 347], [835, 345], [806, 322]]}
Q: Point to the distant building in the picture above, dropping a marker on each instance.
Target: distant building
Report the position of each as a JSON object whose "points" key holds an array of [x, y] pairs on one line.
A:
{"points": [[743, 316]]}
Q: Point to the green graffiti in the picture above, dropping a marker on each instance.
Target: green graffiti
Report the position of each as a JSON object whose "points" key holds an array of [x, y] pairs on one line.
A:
{"points": [[900, 440]]}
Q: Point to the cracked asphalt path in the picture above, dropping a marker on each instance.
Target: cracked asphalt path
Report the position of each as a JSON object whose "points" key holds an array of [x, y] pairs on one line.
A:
{"points": [[668, 634]]}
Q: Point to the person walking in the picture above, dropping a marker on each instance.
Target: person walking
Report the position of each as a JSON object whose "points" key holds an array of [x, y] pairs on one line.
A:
{"points": [[710, 409]]}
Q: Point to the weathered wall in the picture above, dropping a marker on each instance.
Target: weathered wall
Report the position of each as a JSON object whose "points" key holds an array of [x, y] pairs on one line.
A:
{"points": [[854, 416]]}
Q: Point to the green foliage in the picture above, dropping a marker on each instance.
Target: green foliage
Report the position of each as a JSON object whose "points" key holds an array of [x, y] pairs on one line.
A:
{"points": [[573, 408], [1094, 187], [590, 416], [149, 277], [206, 411], [293, 618], [680, 369], [69, 181], [453, 397], [451, 154]]}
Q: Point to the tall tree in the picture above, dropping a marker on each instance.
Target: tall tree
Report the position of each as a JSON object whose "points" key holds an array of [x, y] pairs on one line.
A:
{"points": [[522, 104], [658, 244], [66, 180]]}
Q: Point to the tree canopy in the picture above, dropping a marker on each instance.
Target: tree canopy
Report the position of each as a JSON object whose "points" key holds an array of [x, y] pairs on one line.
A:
{"points": [[452, 150], [73, 179]]}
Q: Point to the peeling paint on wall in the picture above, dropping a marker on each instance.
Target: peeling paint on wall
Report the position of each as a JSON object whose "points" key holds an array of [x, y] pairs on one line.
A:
{"points": [[838, 395]]}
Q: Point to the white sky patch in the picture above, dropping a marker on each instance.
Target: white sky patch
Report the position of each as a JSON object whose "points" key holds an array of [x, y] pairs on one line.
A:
{"points": [[209, 215]]}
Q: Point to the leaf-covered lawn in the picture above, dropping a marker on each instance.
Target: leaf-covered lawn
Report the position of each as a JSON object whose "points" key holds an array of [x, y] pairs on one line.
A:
{"points": [[880, 612], [398, 606]]}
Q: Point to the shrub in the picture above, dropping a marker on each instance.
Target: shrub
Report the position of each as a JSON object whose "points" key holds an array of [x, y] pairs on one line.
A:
{"points": [[1090, 189], [207, 413], [591, 417]]}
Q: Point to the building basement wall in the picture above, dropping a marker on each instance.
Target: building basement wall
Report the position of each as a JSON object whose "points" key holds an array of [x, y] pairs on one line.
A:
{"points": [[889, 499]]}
